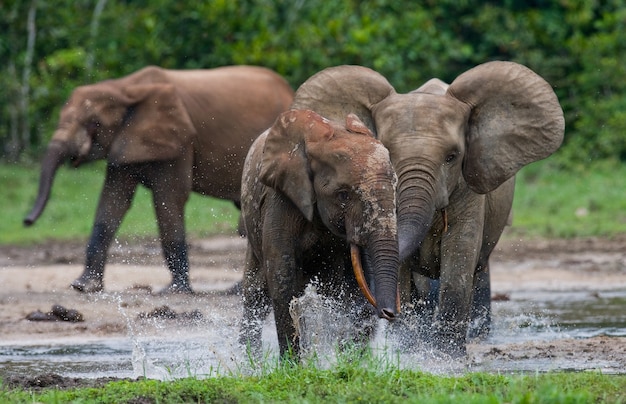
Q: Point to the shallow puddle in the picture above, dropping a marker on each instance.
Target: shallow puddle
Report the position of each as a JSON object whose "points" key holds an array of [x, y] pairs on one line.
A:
{"points": [[206, 350], [157, 357], [556, 314]]}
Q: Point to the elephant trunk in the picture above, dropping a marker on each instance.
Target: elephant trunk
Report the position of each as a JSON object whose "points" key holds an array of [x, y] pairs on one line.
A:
{"points": [[55, 154], [416, 209], [386, 263], [383, 256]]}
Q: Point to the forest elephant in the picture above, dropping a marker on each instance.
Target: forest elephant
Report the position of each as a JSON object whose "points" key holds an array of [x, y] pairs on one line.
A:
{"points": [[316, 196], [172, 131], [455, 150]]}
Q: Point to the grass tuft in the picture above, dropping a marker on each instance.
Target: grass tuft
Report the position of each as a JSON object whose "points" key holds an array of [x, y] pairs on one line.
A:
{"points": [[353, 379]]}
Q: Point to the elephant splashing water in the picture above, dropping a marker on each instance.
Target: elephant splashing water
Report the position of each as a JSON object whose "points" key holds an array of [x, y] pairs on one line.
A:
{"points": [[316, 196], [173, 131]]}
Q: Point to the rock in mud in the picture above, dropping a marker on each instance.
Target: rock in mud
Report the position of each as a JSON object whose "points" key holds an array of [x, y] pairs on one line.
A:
{"points": [[58, 313], [166, 313]]}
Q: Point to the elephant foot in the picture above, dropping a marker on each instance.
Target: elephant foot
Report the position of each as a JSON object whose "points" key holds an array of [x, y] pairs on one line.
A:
{"points": [[87, 285], [177, 288]]}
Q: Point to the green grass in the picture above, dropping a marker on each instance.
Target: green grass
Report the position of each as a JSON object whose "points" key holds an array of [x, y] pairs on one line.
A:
{"points": [[548, 203], [351, 380], [564, 204], [70, 211]]}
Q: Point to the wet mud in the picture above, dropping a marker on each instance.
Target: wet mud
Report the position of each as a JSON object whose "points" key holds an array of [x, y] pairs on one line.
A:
{"points": [[558, 305]]}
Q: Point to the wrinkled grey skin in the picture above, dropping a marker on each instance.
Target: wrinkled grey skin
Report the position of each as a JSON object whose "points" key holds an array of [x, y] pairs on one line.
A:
{"points": [[310, 188], [172, 131], [498, 204], [454, 149]]}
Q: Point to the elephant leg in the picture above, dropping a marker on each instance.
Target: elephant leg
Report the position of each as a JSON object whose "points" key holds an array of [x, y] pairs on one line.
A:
{"points": [[497, 216], [115, 200], [426, 294], [171, 186], [419, 296], [283, 281], [452, 317], [256, 305], [177, 261], [480, 315], [460, 249], [424, 302], [170, 213]]}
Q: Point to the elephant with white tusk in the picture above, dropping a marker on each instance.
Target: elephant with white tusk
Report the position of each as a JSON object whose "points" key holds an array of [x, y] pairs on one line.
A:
{"points": [[316, 195], [173, 131], [455, 150]]}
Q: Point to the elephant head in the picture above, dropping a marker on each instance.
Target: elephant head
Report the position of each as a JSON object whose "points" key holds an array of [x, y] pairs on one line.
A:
{"points": [[135, 119], [480, 130], [342, 175]]}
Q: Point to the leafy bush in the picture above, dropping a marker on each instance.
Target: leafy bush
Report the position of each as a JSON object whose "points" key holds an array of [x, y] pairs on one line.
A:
{"points": [[49, 48]]}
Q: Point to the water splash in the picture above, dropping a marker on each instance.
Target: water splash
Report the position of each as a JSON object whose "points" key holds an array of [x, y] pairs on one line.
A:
{"points": [[167, 349], [327, 325], [328, 334], [141, 365]]}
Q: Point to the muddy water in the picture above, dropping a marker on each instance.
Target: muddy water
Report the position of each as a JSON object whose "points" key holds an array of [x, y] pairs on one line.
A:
{"points": [[560, 306], [546, 315], [208, 347]]}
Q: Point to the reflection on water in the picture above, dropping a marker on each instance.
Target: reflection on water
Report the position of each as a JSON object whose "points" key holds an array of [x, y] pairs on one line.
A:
{"points": [[164, 357], [207, 350], [549, 315], [100, 359]]}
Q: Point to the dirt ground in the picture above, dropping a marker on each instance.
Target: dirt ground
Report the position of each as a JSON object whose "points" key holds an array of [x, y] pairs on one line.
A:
{"points": [[36, 278]]}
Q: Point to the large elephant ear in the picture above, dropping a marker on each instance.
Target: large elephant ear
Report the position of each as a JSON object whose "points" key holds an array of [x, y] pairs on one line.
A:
{"points": [[157, 128], [338, 91], [515, 119], [285, 164]]}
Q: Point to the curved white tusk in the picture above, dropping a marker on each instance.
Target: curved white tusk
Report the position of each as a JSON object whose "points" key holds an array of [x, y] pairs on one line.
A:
{"points": [[360, 276]]}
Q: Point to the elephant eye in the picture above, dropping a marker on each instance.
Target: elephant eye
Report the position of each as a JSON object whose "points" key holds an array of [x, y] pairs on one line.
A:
{"points": [[451, 157], [343, 196]]}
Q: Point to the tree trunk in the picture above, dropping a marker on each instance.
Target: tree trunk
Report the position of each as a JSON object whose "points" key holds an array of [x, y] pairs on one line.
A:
{"points": [[93, 34], [25, 89]]}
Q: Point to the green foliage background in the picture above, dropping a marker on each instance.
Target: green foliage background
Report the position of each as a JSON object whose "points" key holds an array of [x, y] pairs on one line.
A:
{"points": [[579, 46]]}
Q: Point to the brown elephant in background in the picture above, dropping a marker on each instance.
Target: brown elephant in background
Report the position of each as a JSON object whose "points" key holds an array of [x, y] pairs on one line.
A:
{"points": [[316, 193], [455, 151], [173, 131]]}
